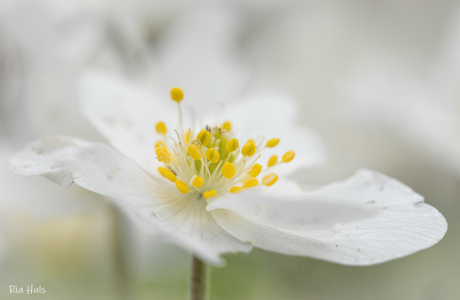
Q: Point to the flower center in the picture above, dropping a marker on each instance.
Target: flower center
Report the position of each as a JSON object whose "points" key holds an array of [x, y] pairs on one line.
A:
{"points": [[214, 163]]}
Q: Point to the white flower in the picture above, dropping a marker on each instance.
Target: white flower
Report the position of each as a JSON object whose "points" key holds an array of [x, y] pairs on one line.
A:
{"points": [[213, 202]]}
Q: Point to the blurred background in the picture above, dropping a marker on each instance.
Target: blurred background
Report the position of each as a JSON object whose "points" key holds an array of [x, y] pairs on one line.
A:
{"points": [[378, 80]]}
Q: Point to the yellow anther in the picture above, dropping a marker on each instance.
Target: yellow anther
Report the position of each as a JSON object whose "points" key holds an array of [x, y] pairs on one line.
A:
{"points": [[197, 181], [195, 151], [228, 170], [232, 145], [272, 161], [163, 155], [236, 189], [288, 156], [251, 141], [249, 149], [177, 94], [209, 194], [227, 126], [167, 174], [270, 179], [204, 137], [212, 155], [161, 128], [251, 183], [254, 171], [187, 136], [159, 144], [182, 187], [273, 142]]}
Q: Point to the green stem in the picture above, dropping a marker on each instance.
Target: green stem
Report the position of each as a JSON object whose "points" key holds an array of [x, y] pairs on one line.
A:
{"points": [[121, 272], [198, 280]]}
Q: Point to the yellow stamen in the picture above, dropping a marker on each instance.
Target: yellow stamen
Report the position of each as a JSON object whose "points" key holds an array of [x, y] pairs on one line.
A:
{"points": [[251, 141], [228, 170], [163, 155], [159, 144], [204, 137], [270, 179], [273, 142], [254, 171], [197, 181], [227, 126], [249, 149], [187, 135], [160, 127], [251, 183], [232, 145], [177, 94], [182, 187], [195, 152], [212, 155], [288, 156], [272, 161], [209, 194], [167, 174], [236, 189]]}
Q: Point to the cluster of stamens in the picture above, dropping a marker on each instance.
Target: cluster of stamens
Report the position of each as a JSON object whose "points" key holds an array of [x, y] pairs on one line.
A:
{"points": [[214, 162]]}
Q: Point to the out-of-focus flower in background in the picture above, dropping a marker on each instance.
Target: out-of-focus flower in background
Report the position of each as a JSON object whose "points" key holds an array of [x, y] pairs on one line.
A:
{"points": [[421, 106], [45, 45]]}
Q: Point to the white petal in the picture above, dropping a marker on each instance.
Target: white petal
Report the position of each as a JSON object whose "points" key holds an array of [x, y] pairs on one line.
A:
{"points": [[94, 166], [274, 116], [191, 227], [303, 211], [283, 187], [37, 196], [125, 114], [404, 226], [100, 169]]}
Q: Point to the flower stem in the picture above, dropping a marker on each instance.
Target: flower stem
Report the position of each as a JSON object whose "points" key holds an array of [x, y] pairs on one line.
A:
{"points": [[198, 286], [122, 280]]}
